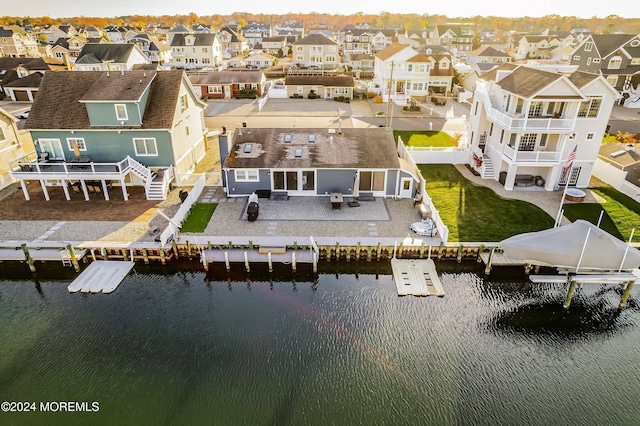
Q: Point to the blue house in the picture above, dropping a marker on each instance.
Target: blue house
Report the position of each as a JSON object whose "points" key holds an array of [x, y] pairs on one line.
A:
{"points": [[315, 162], [113, 128]]}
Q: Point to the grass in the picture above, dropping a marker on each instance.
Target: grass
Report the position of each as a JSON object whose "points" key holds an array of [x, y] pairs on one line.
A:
{"points": [[476, 213], [424, 139], [199, 217], [622, 214]]}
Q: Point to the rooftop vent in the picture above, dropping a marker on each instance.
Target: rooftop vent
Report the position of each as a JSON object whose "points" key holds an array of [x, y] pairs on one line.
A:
{"points": [[332, 131], [617, 153], [287, 138]]}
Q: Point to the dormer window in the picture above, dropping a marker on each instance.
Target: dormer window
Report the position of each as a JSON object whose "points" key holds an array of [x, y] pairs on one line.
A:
{"points": [[121, 112]]}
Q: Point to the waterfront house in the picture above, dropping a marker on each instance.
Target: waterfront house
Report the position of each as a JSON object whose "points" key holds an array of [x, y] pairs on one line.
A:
{"points": [[233, 43], [314, 162], [124, 128], [10, 146], [524, 123], [109, 57], [228, 84], [15, 42], [617, 57]]}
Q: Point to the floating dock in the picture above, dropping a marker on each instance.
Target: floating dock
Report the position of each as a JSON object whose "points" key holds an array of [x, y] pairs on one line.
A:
{"points": [[416, 277], [101, 276]]}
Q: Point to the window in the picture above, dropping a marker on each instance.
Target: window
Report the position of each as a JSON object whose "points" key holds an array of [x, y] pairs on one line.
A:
{"points": [[145, 147], [614, 63], [590, 136], [543, 140], [612, 79], [588, 61], [205, 50], [528, 142], [248, 175], [535, 109], [590, 108], [300, 90], [184, 102], [121, 112], [588, 46], [76, 142], [299, 49], [215, 90], [300, 58], [287, 138]]}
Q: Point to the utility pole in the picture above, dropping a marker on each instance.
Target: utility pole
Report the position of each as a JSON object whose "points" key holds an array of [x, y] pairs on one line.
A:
{"points": [[386, 116]]}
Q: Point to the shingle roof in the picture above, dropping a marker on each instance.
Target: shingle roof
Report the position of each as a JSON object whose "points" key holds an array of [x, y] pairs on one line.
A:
{"points": [[581, 78], [58, 105], [607, 43], [391, 50], [355, 148], [525, 81], [199, 39], [489, 51], [227, 77], [316, 39], [32, 80], [104, 52], [326, 81]]}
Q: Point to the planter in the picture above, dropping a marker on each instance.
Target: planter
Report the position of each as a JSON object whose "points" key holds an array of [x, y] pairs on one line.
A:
{"points": [[575, 195]]}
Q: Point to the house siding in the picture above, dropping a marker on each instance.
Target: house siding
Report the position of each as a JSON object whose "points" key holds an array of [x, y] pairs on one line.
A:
{"points": [[332, 180], [246, 188], [104, 114]]}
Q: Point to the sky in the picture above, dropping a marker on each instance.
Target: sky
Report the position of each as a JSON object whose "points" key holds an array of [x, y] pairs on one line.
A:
{"points": [[450, 8]]}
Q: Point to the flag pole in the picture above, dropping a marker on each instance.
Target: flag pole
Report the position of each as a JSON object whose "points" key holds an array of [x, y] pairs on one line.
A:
{"points": [[564, 193]]}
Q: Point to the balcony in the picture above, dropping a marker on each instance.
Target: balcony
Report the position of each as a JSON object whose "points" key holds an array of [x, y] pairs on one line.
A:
{"points": [[531, 156], [30, 167], [519, 123]]}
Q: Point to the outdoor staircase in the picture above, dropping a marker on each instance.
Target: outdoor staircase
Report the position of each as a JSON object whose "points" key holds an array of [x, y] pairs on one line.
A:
{"points": [[487, 169], [156, 187], [156, 181]]}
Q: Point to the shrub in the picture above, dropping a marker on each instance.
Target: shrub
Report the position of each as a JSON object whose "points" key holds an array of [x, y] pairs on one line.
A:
{"points": [[377, 100], [371, 95]]}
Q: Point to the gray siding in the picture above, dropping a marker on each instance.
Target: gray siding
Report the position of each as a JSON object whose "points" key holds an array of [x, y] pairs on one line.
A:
{"points": [[246, 188], [110, 147], [392, 180]]}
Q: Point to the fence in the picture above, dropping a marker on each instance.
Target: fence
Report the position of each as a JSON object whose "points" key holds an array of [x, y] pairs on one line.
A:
{"points": [[426, 201], [176, 222], [263, 100], [437, 155], [211, 179], [616, 178]]}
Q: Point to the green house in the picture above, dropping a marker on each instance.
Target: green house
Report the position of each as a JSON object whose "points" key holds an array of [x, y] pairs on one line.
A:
{"points": [[113, 128]]}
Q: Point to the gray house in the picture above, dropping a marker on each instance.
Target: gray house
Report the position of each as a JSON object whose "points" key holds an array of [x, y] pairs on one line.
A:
{"points": [[124, 128], [314, 162]]}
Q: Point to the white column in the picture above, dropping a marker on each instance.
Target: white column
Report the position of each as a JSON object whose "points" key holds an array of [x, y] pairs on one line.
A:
{"points": [[43, 184], [511, 177], [84, 189], [104, 190], [65, 188], [24, 190], [124, 190]]}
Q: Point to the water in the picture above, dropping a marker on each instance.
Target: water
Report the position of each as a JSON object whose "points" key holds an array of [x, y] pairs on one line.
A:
{"points": [[177, 346]]}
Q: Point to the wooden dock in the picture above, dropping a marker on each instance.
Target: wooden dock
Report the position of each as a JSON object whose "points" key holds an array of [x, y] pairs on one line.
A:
{"points": [[101, 276], [416, 277]]}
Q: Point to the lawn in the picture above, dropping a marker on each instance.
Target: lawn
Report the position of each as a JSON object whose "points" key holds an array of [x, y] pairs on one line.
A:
{"points": [[424, 139], [476, 213], [198, 217], [622, 214]]}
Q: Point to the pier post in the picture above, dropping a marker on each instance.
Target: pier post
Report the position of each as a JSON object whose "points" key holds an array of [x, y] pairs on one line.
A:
{"points": [[269, 260], [188, 249], [441, 250], [209, 245], [348, 253], [205, 261], [379, 250], [395, 248], [459, 256], [527, 268], [28, 258], [314, 255], [93, 254], [124, 254], [226, 261], [162, 256], [145, 256], [487, 268], [74, 258], [480, 250], [429, 255], [369, 251], [293, 260], [572, 289], [174, 247], [250, 244], [103, 252], [246, 261], [338, 251], [422, 247], [625, 295], [358, 251]]}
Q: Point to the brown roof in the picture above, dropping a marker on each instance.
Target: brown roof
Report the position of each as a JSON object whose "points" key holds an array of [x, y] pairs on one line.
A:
{"points": [[115, 86], [58, 105], [524, 81], [355, 148], [326, 81], [626, 155], [315, 39], [581, 78], [390, 50], [227, 77]]}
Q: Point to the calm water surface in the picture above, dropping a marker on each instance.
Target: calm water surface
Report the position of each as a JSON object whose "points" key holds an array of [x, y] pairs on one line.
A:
{"points": [[175, 345]]}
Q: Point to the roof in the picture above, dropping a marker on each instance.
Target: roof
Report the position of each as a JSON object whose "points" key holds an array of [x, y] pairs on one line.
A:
{"points": [[391, 50], [607, 43], [32, 80], [315, 39], [32, 64], [581, 78], [58, 102], [354, 148], [326, 81], [227, 77], [199, 39], [523, 81], [626, 155], [489, 51], [179, 29], [92, 53]]}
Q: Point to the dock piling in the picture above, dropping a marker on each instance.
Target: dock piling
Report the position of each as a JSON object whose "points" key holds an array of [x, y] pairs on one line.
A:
{"points": [[226, 261], [270, 262], [293, 261], [246, 261], [625, 295], [28, 258], [74, 258], [572, 289]]}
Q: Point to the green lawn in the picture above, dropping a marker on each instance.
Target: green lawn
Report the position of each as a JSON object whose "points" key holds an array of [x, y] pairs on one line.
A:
{"points": [[622, 214], [199, 217], [424, 139], [476, 213]]}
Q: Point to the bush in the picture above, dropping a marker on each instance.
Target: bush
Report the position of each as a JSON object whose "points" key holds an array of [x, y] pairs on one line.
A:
{"points": [[377, 100], [371, 95]]}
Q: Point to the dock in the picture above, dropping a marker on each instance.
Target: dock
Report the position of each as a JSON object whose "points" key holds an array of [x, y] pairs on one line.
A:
{"points": [[101, 276], [416, 277]]}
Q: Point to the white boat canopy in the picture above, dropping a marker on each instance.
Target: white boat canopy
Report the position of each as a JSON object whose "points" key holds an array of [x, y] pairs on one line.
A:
{"points": [[563, 247]]}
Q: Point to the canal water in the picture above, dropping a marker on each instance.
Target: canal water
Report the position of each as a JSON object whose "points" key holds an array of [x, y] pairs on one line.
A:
{"points": [[176, 345]]}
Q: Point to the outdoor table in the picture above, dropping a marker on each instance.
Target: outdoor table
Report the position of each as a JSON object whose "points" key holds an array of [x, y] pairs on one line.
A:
{"points": [[336, 200]]}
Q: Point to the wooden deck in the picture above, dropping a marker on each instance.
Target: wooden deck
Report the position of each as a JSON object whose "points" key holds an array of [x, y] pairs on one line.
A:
{"points": [[416, 277]]}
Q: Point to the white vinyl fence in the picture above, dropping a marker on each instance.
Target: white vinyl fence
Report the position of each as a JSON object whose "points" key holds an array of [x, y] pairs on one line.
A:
{"points": [[176, 222], [616, 178]]}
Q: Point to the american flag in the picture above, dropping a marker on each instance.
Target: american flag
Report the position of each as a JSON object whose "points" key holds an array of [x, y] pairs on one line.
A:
{"points": [[572, 157]]}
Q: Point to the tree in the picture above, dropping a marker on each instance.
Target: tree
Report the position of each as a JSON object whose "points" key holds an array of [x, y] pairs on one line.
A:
{"points": [[475, 41]]}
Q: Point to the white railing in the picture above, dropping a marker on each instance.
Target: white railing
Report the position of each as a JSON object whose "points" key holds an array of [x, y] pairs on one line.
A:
{"points": [[438, 155], [30, 165], [519, 122], [531, 156], [211, 179], [174, 225], [426, 202]]}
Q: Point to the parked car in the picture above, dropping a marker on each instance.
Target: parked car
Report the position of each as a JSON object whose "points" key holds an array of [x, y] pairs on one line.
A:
{"points": [[24, 115]]}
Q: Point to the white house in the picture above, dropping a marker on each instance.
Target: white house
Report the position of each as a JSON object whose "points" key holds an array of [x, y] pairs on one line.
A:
{"points": [[193, 51], [316, 50], [524, 123]]}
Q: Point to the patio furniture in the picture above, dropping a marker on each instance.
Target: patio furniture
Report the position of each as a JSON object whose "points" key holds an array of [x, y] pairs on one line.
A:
{"points": [[336, 200], [524, 180]]}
